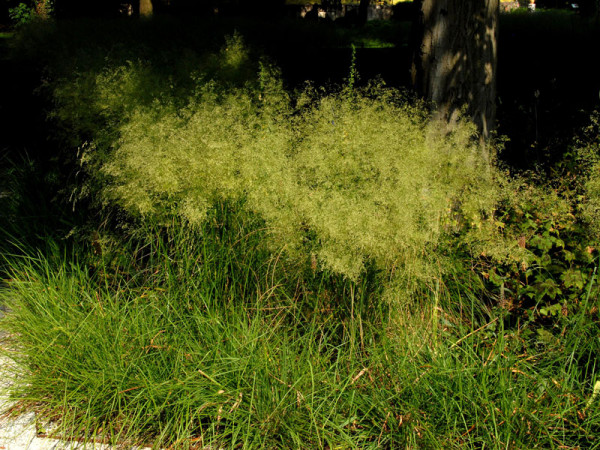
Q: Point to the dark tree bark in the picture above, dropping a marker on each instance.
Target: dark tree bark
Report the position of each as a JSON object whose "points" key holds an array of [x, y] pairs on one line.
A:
{"points": [[88, 8], [363, 11], [146, 8], [454, 65]]}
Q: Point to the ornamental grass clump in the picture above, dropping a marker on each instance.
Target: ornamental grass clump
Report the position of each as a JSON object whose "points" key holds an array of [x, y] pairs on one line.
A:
{"points": [[343, 180]]}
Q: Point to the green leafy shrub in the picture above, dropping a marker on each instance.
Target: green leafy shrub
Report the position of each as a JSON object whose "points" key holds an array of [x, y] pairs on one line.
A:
{"points": [[554, 220], [24, 13], [557, 260], [21, 14]]}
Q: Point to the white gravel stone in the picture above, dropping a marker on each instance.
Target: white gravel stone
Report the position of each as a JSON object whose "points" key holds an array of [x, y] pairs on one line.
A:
{"points": [[20, 433]]}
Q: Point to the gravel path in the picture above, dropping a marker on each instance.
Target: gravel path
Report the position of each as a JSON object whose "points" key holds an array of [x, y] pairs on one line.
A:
{"points": [[20, 433]]}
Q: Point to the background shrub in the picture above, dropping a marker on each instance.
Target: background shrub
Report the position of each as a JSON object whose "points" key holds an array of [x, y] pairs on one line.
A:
{"points": [[21, 14]]}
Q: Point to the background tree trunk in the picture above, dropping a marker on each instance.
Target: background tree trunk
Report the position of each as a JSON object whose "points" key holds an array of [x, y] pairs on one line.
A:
{"points": [[363, 11], [146, 8], [455, 61]]}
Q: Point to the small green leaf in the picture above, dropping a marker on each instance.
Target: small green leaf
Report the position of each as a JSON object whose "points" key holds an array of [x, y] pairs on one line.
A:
{"points": [[547, 288], [545, 337], [544, 260], [542, 243], [496, 279], [569, 256], [573, 278], [551, 310]]}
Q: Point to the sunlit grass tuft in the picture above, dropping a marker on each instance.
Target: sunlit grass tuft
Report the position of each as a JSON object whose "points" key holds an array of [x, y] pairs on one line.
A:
{"points": [[207, 339]]}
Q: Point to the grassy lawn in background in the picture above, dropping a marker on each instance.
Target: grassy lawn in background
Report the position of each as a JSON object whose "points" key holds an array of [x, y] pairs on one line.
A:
{"points": [[5, 38]]}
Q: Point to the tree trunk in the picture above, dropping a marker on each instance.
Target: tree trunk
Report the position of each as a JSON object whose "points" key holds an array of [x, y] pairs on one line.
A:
{"points": [[455, 62], [146, 8], [363, 11]]}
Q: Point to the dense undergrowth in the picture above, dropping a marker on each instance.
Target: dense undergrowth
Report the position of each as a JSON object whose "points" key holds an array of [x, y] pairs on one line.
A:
{"points": [[317, 268]]}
